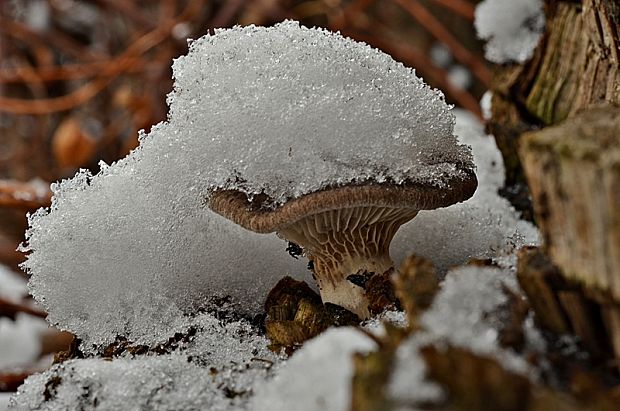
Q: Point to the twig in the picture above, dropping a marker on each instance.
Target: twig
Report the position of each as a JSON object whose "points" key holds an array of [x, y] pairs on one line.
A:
{"points": [[127, 8], [434, 26], [350, 14], [23, 195], [10, 310], [92, 88], [70, 71], [52, 38], [226, 14], [460, 7]]}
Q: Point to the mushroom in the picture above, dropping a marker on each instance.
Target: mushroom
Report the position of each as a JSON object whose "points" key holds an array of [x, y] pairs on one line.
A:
{"points": [[345, 231]]}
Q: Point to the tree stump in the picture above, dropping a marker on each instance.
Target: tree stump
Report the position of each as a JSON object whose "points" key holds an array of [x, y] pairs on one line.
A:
{"points": [[576, 66], [573, 171]]}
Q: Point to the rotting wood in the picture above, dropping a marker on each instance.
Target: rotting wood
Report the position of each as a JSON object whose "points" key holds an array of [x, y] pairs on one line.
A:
{"points": [[416, 284], [576, 66], [536, 276], [566, 307], [573, 171], [477, 382], [295, 314]]}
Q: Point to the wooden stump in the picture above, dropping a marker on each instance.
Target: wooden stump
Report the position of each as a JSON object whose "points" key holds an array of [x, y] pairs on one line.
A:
{"points": [[576, 66], [573, 171]]}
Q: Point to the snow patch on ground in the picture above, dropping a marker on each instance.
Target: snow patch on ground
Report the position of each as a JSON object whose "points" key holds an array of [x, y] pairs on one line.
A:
{"points": [[215, 368], [318, 376]]}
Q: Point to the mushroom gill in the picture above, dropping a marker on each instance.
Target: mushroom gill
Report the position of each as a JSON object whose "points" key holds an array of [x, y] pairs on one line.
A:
{"points": [[345, 231]]}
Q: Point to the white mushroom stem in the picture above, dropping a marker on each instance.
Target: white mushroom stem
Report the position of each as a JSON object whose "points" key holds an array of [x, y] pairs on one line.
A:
{"points": [[347, 247]]}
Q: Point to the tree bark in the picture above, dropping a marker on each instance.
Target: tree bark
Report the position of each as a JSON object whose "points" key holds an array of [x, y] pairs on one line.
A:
{"points": [[573, 171], [576, 66]]}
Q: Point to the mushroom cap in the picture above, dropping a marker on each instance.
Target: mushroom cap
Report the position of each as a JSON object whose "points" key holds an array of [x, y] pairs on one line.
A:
{"points": [[252, 215], [288, 111]]}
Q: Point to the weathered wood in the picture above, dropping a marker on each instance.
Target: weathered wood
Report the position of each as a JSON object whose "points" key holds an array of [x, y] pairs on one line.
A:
{"points": [[565, 307], [372, 372], [611, 318], [476, 382], [586, 322], [576, 66], [416, 284], [536, 276], [573, 171], [295, 313]]}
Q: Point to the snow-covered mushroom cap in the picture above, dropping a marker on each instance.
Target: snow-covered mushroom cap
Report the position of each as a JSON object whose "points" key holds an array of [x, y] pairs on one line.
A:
{"points": [[354, 146], [290, 111]]}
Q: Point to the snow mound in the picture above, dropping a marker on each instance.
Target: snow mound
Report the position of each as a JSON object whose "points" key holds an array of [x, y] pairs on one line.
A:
{"points": [[284, 110], [468, 312], [214, 369], [132, 250], [512, 28], [318, 376]]}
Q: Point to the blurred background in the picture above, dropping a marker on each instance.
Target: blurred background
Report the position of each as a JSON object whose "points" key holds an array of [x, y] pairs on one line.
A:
{"points": [[78, 79]]}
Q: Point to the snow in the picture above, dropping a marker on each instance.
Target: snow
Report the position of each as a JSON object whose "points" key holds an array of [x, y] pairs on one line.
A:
{"points": [[486, 105], [20, 340], [4, 400], [325, 109], [441, 55], [485, 226], [318, 376], [215, 369], [285, 110], [38, 15], [512, 28], [468, 312], [460, 77], [123, 254], [12, 287]]}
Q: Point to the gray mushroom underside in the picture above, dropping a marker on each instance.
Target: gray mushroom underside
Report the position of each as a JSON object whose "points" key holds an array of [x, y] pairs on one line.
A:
{"points": [[235, 205]]}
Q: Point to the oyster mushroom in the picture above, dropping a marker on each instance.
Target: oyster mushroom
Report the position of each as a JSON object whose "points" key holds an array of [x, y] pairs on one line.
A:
{"points": [[346, 230]]}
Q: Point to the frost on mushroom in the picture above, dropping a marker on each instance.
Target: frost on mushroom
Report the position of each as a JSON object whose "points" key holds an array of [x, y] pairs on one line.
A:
{"points": [[334, 145], [512, 28]]}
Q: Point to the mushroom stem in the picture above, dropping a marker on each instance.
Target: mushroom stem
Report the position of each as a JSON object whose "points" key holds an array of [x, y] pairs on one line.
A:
{"points": [[348, 247]]}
